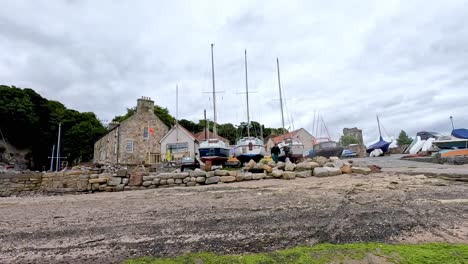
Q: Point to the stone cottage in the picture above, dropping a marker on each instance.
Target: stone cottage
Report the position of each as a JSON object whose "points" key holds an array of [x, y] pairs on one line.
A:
{"points": [[135, 140], [178, 143], [301, 135]]}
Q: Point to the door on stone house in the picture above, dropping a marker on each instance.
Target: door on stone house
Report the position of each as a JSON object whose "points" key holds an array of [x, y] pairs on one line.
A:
{"points": [[154, 158]]}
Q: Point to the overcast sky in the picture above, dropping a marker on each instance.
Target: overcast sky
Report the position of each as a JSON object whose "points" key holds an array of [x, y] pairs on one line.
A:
{"points": [[406, 61]]}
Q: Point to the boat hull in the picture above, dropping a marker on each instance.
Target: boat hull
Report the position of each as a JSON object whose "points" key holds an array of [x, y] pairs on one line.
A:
{"points": [[327, 153], [451, 144], [249, 149], [215, 155], [453, 153]]}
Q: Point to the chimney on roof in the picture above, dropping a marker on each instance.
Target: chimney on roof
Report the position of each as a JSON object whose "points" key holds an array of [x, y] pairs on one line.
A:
{"points": [[145, 104]]}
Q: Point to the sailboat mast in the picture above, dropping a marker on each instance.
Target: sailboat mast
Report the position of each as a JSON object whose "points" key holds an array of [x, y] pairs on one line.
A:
{"points": [[378, 123], [281, 96], [214, 93], [58, 148], [247, 94], [206, 125], [177, 112]]}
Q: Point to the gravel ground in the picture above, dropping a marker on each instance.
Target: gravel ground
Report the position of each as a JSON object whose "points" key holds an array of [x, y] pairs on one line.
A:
{"points": [[232, 218]]}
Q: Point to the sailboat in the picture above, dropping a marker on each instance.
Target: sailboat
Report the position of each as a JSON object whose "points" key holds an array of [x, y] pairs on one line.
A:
{"points": [[323, 146], [249, 148], [213, 150], [290, 148], [381, 144]]}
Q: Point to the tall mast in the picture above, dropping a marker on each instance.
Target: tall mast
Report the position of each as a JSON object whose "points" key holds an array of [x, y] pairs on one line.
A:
{"points": [[177, 112], [378, 123], [206, 125], [214, 92], [281, 96], [58, 148], [247, 94]]}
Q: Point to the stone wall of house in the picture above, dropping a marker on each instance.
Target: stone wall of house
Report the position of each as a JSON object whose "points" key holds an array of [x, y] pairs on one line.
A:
{"points": [[112, 148], [306, 138], [11, 184], [105, 149], [140, 178]]}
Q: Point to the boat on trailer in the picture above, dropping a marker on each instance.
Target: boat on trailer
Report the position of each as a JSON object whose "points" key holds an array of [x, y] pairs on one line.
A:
{"points": [[324, 147], [381, 144], [213, 150], [249, 148]]}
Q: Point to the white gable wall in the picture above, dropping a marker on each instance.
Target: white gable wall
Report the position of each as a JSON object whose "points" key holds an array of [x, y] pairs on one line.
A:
{"points": [[179, 136]]}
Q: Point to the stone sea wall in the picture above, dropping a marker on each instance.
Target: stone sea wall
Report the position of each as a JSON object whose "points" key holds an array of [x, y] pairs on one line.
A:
{"points": [[82, 180], [12, 184]]}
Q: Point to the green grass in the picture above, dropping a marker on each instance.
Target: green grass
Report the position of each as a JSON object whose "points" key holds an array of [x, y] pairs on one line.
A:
{"points": [[326, 253]]}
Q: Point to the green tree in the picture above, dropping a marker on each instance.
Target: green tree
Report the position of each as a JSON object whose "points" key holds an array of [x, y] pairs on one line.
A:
{"points": [[403, 139], [130, 112], [30, 121], [347, 140], [164, 116]]}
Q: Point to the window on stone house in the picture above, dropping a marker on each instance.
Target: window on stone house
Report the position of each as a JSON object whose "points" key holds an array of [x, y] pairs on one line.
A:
{"points": [[129, 147], [177, 147], [145, 133]]}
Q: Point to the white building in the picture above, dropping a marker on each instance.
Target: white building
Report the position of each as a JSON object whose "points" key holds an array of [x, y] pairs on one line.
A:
{"points": [[178, 143]]}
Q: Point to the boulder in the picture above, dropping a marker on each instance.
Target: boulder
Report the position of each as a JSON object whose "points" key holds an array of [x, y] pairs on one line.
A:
{"points": [[197, 173], [94, 176], [228, 179], [212, 180], [105, 175], [271, 164], [156, 181], [221, 173], [346, 169], [329, 164], [200, 179], [280, 165], [109, 189], [321, 160], [248, 176], [209, 174], [162, 182], [277, 173], [180, 175], [289, 175], [306, 165], [146, 183], [267, 168], [332, 171], [177, 181], [165, 176], [320, 172], [191, 183], [332, 159], [98, 180], [122, 173], [258, 176], [125, 181], [233, 173], [289, 166], [251, 164], [338, 163], [186, 179], [136, 179], [149, 177], [240, 177], [119, 187], [170, 181], [114, 181], [361, 170], [304, 174]]}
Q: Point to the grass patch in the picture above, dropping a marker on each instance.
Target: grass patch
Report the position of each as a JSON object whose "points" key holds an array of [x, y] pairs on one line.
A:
{"points": [[326, 253]]}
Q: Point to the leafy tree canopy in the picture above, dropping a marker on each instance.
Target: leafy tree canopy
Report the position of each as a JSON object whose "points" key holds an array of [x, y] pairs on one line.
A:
{"points": [[347, 140], [403, 139], [31, 121]]}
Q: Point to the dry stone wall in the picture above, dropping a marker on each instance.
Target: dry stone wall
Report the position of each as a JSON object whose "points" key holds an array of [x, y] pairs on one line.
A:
{"points": [[140, 178]]}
